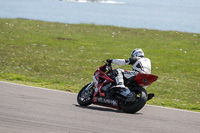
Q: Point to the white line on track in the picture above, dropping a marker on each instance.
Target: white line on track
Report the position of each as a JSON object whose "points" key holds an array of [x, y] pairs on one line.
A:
{"points": [[37, 87], [172, 109], [76, 94]]}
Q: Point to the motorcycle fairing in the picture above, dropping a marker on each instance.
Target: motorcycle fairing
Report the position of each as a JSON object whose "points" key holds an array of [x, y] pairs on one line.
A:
{"points": [[100, 78]]}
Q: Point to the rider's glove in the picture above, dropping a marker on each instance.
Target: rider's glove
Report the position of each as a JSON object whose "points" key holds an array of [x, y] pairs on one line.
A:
{"points": [[109, 61]]}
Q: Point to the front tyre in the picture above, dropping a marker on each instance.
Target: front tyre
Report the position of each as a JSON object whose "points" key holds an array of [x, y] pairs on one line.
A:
{"points": [[85, 96], [138, 104]]}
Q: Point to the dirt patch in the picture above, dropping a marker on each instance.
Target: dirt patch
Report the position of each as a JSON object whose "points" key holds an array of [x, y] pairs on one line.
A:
{"points": [[61, 38]]}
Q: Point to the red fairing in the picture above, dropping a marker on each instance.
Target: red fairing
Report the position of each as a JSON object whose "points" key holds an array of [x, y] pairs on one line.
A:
{"points": [[98, 75], [145, 79]]}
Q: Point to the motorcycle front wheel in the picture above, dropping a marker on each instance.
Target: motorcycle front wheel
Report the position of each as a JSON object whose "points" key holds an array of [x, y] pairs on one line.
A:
{"points": [[85, 96], [138, 104]]}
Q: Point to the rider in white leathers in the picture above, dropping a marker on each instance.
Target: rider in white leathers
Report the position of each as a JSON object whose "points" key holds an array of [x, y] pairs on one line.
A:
{"points": [[139, 63]]}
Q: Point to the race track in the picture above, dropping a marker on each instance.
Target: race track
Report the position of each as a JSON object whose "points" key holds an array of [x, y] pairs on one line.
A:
{"points": [[25, 109]]}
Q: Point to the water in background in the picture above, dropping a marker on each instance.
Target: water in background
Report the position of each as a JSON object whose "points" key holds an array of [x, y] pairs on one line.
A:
{"points": [[176, 15]]}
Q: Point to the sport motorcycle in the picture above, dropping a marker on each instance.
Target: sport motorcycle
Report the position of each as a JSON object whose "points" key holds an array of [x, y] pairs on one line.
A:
{"points": [[103, 90]]}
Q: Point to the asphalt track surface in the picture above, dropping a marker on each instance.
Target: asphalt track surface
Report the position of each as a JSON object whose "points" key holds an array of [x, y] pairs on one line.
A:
{"points": [[25, 109]]}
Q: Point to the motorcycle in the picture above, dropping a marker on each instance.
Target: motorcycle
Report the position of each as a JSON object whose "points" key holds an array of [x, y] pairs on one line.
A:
{"points": [[103, 90]]}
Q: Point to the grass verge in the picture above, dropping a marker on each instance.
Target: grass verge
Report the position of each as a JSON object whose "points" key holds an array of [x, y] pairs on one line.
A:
{"points": [[64, 57]]}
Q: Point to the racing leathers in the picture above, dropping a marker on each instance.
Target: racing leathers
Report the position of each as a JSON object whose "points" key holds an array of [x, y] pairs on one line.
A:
{"points": [[139, 65]]}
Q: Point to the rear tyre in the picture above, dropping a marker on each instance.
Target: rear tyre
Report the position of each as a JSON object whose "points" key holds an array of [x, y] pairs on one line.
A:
{"points": [[85, 97], [138, 104]]}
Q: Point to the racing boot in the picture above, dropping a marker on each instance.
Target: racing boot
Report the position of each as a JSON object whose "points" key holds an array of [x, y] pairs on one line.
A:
{"points": [[125, 92]]}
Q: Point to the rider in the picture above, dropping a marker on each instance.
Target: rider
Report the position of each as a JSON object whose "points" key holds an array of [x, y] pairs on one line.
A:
{"points": [[139, 63]]}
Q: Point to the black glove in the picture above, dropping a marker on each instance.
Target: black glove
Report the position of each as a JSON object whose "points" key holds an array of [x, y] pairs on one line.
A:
{"points": [[109, 61]]}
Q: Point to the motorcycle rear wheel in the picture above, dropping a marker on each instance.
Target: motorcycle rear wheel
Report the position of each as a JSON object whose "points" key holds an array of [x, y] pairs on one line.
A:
{"points": [[138, 104], [85, 97]]}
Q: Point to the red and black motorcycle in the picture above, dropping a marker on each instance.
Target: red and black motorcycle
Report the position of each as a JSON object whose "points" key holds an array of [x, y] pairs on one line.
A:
{"points": [[102, 91]]}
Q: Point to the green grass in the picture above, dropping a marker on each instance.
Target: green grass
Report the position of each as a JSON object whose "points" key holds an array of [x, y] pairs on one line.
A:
{"points": [[64, 57]]}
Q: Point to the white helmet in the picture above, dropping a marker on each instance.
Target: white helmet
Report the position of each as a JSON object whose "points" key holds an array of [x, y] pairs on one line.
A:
{"points": [[137, 53]]}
